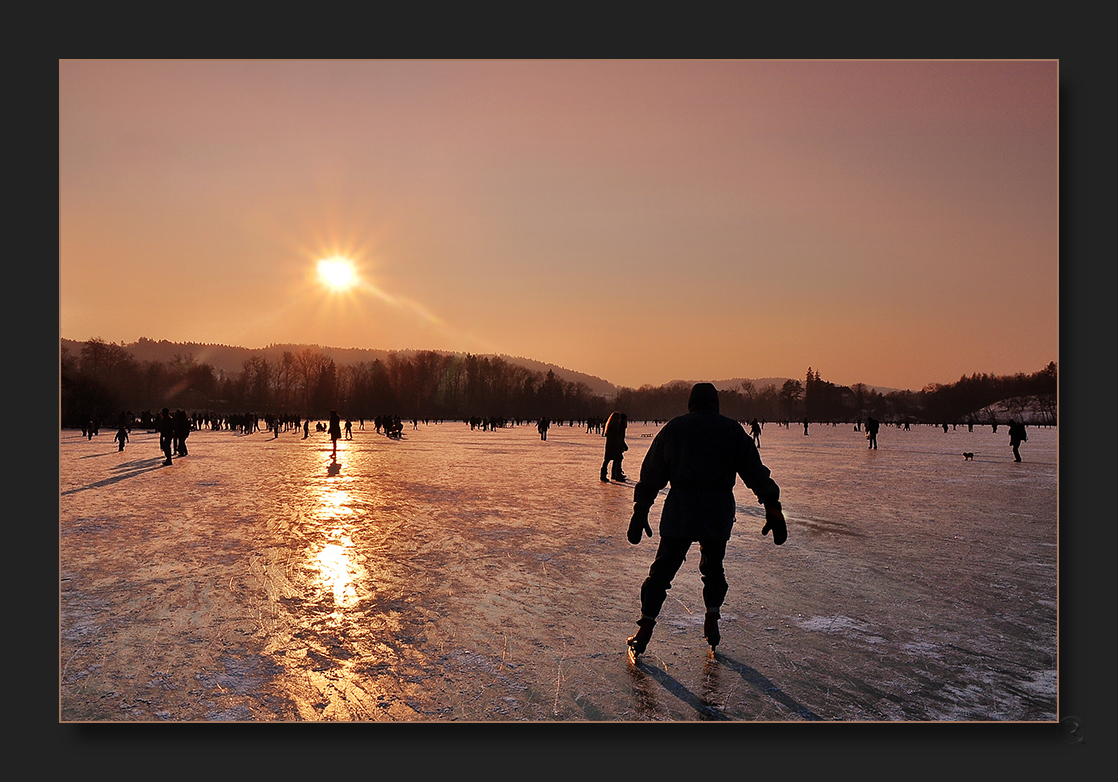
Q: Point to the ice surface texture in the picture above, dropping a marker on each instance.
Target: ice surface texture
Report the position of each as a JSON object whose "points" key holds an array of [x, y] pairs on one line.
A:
{"points": [[460, 575]]}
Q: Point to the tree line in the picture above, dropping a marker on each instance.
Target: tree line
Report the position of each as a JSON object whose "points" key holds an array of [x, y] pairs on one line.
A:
{"points": [[105, 379], [815, 399]]}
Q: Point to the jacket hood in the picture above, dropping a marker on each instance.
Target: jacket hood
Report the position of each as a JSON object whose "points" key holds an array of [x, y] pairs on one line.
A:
{"points": [[704, 396]]}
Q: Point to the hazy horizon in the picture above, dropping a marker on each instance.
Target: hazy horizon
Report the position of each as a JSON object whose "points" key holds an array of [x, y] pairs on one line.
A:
{"points": [[637, 221]]}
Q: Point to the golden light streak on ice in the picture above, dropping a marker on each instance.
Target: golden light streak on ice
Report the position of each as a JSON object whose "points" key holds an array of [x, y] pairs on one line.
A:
{"points": [[334, 559], [336, 568]]}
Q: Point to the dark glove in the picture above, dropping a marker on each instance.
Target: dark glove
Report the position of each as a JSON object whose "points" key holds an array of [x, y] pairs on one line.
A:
{"points": [[637, 525], [774, 520]]}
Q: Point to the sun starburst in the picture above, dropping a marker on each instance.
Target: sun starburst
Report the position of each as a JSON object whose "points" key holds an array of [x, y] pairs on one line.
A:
{"points": [[337, 273]]}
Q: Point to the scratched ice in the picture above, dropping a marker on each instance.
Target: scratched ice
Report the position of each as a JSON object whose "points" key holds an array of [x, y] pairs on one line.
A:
{"points": [[462, 575]]}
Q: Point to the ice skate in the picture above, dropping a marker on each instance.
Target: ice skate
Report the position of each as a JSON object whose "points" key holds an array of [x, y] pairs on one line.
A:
{"points": [[605, 478], [620, 477], [710, 630], [639, 642]]}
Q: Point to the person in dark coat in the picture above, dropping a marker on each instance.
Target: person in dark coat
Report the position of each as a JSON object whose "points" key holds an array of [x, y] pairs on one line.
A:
{"points": [[182, 431], [166, 426], [1017, 435], [335, 430], [615, 445], [121, 437], [700, 454], [871, 431]]}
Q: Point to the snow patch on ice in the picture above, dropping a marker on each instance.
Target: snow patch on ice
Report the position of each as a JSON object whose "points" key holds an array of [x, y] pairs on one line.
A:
{"points": [[922, 648], [830, 624]]}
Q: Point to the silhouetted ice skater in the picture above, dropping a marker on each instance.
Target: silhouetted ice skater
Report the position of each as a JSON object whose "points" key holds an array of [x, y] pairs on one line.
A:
{"points": [[755, 432], [543, 426], [394, 427], [335, 431], [700, 454], [182, 431], [871, 431], [1017, 435], [166, 426], [121, 437], [615, 445]]}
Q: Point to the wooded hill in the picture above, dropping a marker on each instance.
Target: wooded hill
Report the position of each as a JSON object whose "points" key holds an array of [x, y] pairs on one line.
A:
{"points": [[228, 360], [100, 379]]}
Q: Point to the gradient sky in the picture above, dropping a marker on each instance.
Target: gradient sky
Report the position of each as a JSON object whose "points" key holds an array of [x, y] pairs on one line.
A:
{"points": [[891, 223]]}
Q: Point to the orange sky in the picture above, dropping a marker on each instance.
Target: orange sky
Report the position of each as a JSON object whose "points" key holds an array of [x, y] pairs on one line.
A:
{"points": [[892, 223]]}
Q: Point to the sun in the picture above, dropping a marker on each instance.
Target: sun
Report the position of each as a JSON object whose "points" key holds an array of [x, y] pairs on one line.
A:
{"points": [[337, 273]]}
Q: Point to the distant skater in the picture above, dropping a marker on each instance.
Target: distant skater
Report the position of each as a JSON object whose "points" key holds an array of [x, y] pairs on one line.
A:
{"points": [[121, 437], [755, 432], [701, 454], [348, 429], [871, 431], [166, 427], [306, 428], [335, 431], [394, 427], [1017, 435], [805, 426], [182, 431], [543, 426], [615, 445]]}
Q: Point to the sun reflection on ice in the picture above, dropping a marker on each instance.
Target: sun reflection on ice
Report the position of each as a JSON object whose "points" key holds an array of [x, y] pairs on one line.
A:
{"points": [[335, 504], [337, 569], [335, 561]]}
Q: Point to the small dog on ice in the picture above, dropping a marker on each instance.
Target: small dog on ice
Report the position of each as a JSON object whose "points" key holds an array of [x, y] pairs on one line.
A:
{"points": [[968, 456]]}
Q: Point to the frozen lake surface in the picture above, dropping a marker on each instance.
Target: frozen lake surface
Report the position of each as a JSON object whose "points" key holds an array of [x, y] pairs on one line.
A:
{"points": [[467, 575]]}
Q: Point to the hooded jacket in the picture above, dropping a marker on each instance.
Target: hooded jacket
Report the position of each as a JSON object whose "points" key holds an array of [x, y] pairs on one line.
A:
{"points": [[701, 454]]}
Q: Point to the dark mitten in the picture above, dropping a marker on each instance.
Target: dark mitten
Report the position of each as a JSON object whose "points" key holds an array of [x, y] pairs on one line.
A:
{"points": [[774, 520], [638, 525]]}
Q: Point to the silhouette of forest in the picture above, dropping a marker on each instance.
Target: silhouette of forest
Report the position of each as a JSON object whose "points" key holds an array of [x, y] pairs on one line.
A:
{"points": [[102, 380]]}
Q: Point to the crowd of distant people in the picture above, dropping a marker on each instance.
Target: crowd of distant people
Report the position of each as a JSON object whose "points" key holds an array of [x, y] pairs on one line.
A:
{"points": [[175, 427]]}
